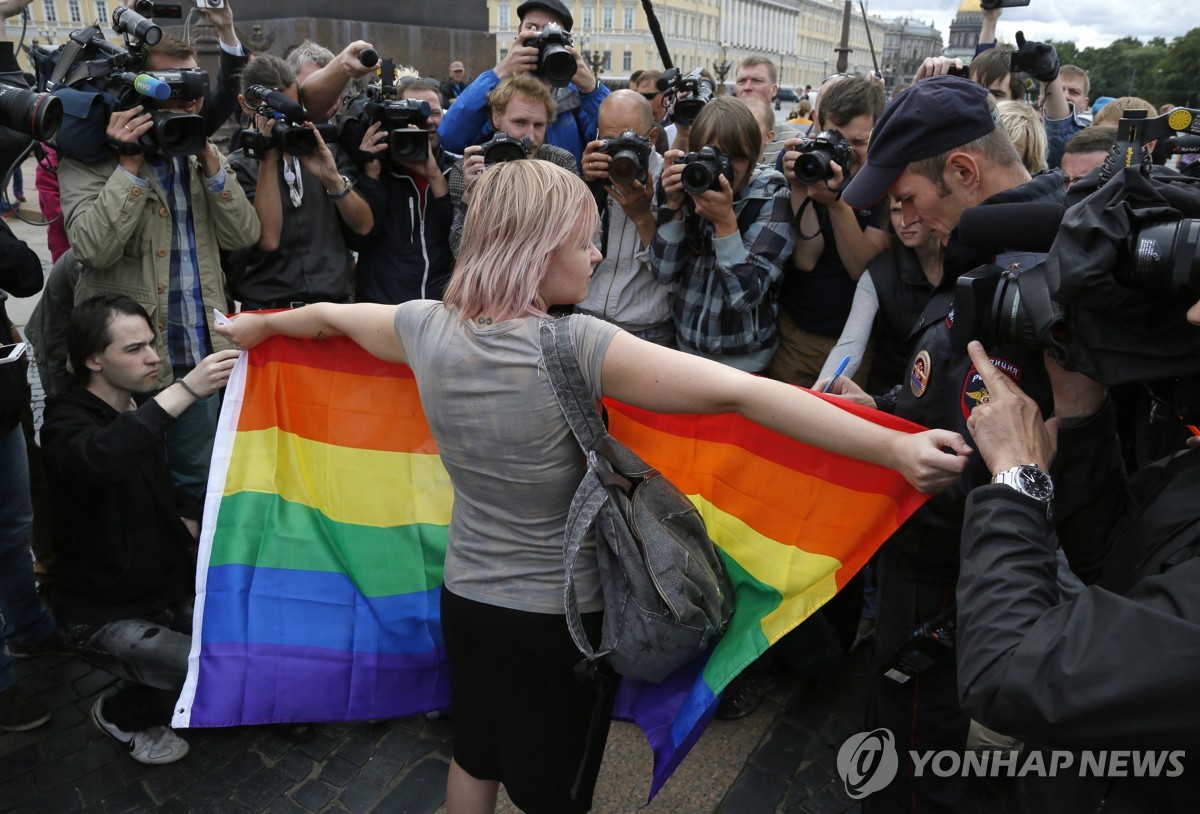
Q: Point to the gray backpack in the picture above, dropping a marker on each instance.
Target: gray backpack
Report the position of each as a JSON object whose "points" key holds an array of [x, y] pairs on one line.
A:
{"points": [[667, 596]]}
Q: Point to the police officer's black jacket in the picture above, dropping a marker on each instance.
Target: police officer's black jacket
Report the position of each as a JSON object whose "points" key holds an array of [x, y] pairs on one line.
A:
{"points": [[1116, 667], [940, 389]]}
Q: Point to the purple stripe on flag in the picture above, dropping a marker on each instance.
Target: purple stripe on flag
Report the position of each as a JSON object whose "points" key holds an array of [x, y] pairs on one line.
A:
{"points": [[673, 715], [268, 683]]}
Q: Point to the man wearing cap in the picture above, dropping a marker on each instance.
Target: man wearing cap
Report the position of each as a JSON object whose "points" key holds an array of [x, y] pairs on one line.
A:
{"points": [[938, 150], [455, 83], [578, 104]]}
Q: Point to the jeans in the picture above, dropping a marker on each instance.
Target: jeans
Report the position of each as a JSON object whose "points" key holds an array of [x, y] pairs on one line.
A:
{"points": [[190, 442], [26, 621], [150, 653]]}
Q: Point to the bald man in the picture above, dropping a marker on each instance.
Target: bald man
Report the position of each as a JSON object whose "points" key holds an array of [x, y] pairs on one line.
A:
{"points": [[623, 288]]}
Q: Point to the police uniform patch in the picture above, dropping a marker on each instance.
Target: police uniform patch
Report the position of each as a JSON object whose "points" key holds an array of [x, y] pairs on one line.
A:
{"points": [[918, 378], [974, 391]]}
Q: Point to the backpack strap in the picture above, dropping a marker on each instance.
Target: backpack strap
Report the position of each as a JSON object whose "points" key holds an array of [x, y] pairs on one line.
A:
{"points": [[572, 392], [575, 400]]}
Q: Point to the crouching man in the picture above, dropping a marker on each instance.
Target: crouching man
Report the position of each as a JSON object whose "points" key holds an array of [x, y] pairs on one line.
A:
{"points": [[124, 535]]}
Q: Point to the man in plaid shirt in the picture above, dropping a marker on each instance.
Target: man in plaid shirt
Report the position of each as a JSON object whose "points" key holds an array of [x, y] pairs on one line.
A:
{"points": [[724, 248]]}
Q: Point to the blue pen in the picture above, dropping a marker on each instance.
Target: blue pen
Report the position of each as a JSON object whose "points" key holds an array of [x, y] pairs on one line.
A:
{"points": [[841, 368]]}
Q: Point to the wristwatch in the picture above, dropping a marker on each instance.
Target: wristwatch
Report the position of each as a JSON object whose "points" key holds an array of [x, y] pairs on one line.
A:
{"points": [[347, 185], [1029, 480]]}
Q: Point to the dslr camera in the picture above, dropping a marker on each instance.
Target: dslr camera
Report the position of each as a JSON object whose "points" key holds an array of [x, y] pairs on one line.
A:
{"points": [[816, 154], [704, 169], [290, 134], [555, 62], [503, 147], [1123, 267], [34, 115], [629, 157], [685, 96]]}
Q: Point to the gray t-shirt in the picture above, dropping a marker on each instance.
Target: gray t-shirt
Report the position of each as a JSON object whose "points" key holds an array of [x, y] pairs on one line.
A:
{"points": [[508, 449]]}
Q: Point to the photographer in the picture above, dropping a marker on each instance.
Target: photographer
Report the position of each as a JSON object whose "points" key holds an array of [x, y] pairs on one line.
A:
{"points": [[576, 106], [1115, 666], [939, 151], [406, 255], [152, 226], [522, 110], [301, 256], [623, 290], [834, 241], [723, 243]]}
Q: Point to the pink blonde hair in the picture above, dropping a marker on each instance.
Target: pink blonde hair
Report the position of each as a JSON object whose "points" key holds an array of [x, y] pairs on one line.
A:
{"points": [[521, 213]]}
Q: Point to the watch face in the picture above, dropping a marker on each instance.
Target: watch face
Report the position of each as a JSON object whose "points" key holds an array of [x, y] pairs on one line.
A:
{"points": [[1035, 483]]}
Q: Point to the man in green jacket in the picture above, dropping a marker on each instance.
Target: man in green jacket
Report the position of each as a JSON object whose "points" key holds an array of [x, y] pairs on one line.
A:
{"points": [[151, 226]]}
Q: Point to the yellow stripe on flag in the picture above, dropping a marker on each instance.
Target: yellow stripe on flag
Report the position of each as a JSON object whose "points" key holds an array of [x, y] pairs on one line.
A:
{"points": [[359, 486]]}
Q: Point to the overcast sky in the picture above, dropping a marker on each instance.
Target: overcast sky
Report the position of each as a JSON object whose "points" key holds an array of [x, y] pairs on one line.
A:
{"points": [[1093, 23]]}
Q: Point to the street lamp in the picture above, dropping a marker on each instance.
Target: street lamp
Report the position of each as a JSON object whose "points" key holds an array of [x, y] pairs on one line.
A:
{"points": [[721, 69]]}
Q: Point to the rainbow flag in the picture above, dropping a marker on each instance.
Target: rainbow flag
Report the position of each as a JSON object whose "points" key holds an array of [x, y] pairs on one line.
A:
{"points": [[325, 530]]}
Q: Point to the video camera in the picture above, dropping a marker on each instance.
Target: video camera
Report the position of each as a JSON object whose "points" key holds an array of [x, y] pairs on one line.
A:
{"points": [[382, 103], [684, 95], [555, 62], [816, 154], [629, 157], [1123, 267], [704, 169], [96, 77], [290, 134]]}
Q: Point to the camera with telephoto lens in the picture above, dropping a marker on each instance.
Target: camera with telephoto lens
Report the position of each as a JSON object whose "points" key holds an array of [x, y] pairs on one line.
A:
{"points": [[685, 95], [32, 114], [1122, 267], [290, 134], [503, 147], [629, 157], [703, 170], [816, 154], [395, 116], [555, 63]]}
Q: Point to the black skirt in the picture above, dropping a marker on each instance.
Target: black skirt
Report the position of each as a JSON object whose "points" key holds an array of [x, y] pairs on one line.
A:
{"points": [[521, 716]]}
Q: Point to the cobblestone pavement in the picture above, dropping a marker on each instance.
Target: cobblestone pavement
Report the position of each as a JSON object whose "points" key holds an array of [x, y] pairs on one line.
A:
{"points": [[400, 765]]}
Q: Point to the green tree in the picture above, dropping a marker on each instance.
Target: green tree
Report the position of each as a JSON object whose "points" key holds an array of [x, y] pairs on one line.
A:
{"points": [[1068, 52], [1126, 67], [1177, 74]]}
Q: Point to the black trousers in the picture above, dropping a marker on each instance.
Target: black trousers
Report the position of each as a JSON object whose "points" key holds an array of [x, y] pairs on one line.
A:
{"points": [[924, 714]]}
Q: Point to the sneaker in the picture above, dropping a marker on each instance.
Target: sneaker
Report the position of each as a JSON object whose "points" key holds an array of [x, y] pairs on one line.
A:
{"points": [[20, 196], [20, 711], [53, 645], [743, 695], [155, 746]]}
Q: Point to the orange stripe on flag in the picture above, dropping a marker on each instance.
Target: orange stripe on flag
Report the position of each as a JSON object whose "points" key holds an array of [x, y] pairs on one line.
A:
{"points": [[342, 408], [791, 507]]}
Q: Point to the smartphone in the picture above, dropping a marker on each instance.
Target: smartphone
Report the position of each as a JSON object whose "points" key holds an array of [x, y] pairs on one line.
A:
{"points": [[11, 352]]}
